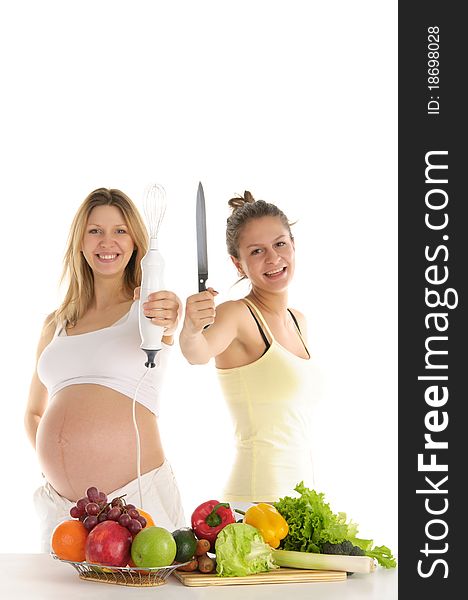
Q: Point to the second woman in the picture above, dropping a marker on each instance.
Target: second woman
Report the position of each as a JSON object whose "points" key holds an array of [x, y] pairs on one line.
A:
{"points": [[261, 355]]}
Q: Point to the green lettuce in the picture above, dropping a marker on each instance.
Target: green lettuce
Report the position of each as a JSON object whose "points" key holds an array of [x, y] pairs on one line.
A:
{"points": [[240, 550], [312, 523]]}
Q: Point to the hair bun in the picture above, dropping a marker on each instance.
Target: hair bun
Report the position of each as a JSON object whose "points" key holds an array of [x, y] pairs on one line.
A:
{"points": [[239, 201]]}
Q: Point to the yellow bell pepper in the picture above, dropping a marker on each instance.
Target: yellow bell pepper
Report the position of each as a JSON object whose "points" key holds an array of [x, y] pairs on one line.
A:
{"points": [[268, 521]]}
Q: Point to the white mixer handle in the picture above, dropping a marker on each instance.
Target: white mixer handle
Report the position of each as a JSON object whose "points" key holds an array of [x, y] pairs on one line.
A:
{"points": [[152, 266]]}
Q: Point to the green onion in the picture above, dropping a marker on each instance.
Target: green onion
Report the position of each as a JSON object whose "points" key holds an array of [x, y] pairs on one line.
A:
{"points": [[323, 562]]}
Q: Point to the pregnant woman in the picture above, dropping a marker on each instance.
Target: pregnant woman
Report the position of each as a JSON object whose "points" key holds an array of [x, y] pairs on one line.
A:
{"points": [[79, 415], [261, 354]]}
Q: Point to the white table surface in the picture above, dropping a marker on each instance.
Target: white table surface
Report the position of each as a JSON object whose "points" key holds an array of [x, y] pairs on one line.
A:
{"points": [[39, 576]]}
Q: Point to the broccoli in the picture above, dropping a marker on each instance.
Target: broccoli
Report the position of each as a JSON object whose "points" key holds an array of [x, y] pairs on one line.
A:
{"points": [[346, 547]]}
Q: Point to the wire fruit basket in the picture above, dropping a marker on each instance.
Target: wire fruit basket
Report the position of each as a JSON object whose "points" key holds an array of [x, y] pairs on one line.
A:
{"points": [[129, 576]]}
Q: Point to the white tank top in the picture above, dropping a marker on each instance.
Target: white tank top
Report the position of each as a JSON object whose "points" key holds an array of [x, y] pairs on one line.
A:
{"points": [[110, 356]]}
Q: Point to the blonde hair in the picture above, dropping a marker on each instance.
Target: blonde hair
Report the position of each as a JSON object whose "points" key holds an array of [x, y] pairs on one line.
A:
{"points": [[75, 267]]}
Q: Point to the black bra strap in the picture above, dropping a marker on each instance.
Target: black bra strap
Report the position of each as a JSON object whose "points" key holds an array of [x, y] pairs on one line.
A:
{"points": [[294, 319], [262, 333]]}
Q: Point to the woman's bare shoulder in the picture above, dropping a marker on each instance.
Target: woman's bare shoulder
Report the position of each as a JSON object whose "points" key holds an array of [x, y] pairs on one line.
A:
{"points": [[48, 329], [231, 308]]}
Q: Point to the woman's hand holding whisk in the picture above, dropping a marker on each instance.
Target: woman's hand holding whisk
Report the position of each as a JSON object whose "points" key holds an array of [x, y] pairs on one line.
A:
{"points": [[164, 308]]}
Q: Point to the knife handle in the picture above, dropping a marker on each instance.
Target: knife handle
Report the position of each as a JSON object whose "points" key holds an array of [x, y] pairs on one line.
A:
{"points": [[202, 286], [202, 282]]}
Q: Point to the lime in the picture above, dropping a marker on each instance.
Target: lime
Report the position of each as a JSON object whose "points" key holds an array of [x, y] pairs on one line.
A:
{"points": [[153, 547], [186, 543]]}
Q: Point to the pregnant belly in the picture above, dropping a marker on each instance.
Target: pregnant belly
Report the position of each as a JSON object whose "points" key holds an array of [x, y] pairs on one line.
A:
{"points": [[87, 437]]}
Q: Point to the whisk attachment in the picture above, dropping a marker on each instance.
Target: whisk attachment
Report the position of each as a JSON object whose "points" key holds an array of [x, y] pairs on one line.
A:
{"points": [[154, 208]]}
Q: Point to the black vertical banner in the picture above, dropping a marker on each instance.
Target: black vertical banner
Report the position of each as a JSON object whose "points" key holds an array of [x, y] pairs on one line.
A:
{"points": [[433, 250]]}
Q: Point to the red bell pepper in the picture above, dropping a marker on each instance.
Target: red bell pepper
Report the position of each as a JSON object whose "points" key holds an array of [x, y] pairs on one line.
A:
{"points": [[209, 518]]}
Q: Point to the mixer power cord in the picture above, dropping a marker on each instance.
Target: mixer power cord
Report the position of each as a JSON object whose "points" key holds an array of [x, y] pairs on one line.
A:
{"points": [[137, 434]]}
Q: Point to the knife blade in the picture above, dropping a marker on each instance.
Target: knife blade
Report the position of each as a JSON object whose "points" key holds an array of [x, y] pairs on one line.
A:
{"points": [[202, 251]]}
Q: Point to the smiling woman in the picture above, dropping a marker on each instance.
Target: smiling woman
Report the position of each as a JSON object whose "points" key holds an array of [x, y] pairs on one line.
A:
{"points": [[79, 413], [261, 356], [107, 241]]}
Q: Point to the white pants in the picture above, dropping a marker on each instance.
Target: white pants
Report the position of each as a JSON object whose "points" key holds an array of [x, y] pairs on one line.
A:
{"points": [[160, 493]]}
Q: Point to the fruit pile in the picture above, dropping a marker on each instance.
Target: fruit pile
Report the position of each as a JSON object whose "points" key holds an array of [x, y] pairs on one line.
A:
{"points": [[112, 533]]}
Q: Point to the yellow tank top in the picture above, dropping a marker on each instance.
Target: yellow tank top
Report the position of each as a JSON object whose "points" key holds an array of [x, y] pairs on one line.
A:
{"points": [[270, 402]]}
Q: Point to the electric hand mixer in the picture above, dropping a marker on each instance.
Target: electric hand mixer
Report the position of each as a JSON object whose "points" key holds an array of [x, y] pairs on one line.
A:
{"points": [[152, 267]]}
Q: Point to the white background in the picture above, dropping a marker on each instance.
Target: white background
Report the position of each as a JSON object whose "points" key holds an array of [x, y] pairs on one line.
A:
{"points": [[292, 100]]}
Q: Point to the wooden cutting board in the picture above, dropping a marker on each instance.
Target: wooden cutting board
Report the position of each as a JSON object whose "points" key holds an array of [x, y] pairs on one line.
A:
{"points": [[281, 575]]}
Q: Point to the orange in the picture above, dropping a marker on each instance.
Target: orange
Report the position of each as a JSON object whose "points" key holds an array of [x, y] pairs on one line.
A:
{"points": [[69, 539], [148, 517]]}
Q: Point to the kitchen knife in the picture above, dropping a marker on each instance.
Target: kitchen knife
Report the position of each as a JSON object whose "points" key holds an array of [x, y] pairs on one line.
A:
{"points": [[202, 252]]}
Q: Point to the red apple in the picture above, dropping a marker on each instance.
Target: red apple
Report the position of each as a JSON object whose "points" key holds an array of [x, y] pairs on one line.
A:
{"points": [[108, 544]]}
